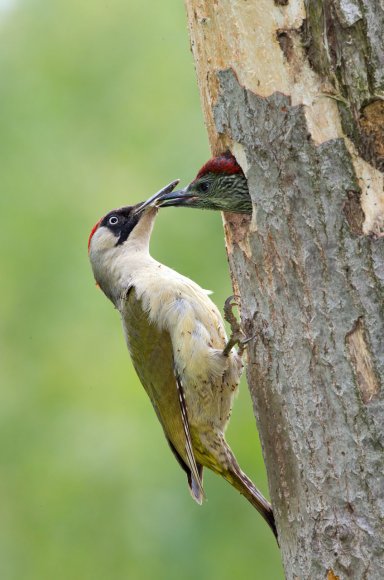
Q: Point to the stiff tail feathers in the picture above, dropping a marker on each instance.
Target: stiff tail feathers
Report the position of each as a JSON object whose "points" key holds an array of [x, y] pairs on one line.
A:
{"points": [[237, 478]]}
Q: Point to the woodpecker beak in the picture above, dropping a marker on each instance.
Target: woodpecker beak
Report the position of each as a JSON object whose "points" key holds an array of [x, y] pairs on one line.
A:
{"points": [[178, 197], [152, 201]]}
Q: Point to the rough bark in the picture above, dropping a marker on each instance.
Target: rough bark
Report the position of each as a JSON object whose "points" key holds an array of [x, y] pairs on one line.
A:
{"points": [[295, 90]]}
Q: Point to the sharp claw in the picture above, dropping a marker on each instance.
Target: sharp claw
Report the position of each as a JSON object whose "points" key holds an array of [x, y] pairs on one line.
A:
{"points": [[247, 340], [237, 335], [243, 343]]}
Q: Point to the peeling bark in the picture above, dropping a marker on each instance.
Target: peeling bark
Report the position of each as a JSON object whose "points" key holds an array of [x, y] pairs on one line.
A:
{"points": [[308, 264], [345, 44], [362, 363]]}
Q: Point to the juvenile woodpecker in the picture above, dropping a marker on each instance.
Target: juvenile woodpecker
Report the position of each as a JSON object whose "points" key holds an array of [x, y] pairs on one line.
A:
{"points": [[176, 338], [220, 184]]}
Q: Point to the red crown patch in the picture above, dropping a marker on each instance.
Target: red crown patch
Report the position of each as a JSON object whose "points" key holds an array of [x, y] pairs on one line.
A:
{"points": [[225, 163]]}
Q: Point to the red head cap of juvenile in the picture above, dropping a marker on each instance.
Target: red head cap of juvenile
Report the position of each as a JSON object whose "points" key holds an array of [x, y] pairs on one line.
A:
{"points": [[220, 184]]}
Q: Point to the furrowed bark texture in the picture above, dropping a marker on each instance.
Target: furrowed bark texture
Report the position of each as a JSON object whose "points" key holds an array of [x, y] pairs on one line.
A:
{"points": [[287, 85]]}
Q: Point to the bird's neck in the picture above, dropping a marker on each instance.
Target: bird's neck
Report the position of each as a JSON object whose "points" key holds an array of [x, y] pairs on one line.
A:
{"points": [[117, 272], [116, 268]]}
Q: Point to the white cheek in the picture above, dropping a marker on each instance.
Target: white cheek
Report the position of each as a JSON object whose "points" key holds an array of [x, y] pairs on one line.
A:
{"points": [[103, 239], [102, 254]]}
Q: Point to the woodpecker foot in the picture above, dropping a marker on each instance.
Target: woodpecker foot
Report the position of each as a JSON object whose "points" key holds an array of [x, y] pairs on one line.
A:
{"points": [[237, 335]]}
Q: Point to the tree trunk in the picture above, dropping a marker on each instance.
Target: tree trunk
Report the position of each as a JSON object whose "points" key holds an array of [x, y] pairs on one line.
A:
{"points": [[295, 90]]}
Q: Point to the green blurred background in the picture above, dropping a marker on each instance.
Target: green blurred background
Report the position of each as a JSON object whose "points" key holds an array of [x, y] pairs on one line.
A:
{"points": [[99, 108]]}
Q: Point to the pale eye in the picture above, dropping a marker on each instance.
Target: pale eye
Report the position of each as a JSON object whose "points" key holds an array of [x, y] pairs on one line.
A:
{"points": [[113, 220]]}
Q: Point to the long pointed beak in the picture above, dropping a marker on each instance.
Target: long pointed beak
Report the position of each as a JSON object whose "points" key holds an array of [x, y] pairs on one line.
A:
{"points": [[178, 197], [157, 196]]}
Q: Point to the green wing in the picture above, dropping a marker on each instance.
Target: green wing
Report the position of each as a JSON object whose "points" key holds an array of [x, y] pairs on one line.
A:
{"points": [[152, 356]]}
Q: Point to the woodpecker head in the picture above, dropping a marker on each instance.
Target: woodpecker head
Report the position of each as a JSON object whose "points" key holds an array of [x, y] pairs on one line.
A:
{"points": [[114, 229], [220, 184], [122, 234]]}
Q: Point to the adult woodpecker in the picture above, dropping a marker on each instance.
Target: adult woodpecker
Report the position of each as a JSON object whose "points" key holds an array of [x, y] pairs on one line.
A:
{"points": [[176, 338], [220, 184]]}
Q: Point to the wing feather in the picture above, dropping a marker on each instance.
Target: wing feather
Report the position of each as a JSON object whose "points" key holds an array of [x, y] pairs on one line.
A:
{"points": [[197, 489], [152, 356]]}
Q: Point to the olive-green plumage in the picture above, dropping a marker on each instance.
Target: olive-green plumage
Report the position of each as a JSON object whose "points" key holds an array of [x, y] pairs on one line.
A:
{"points": [[177, 341], [219, 185], [152, 356]]}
